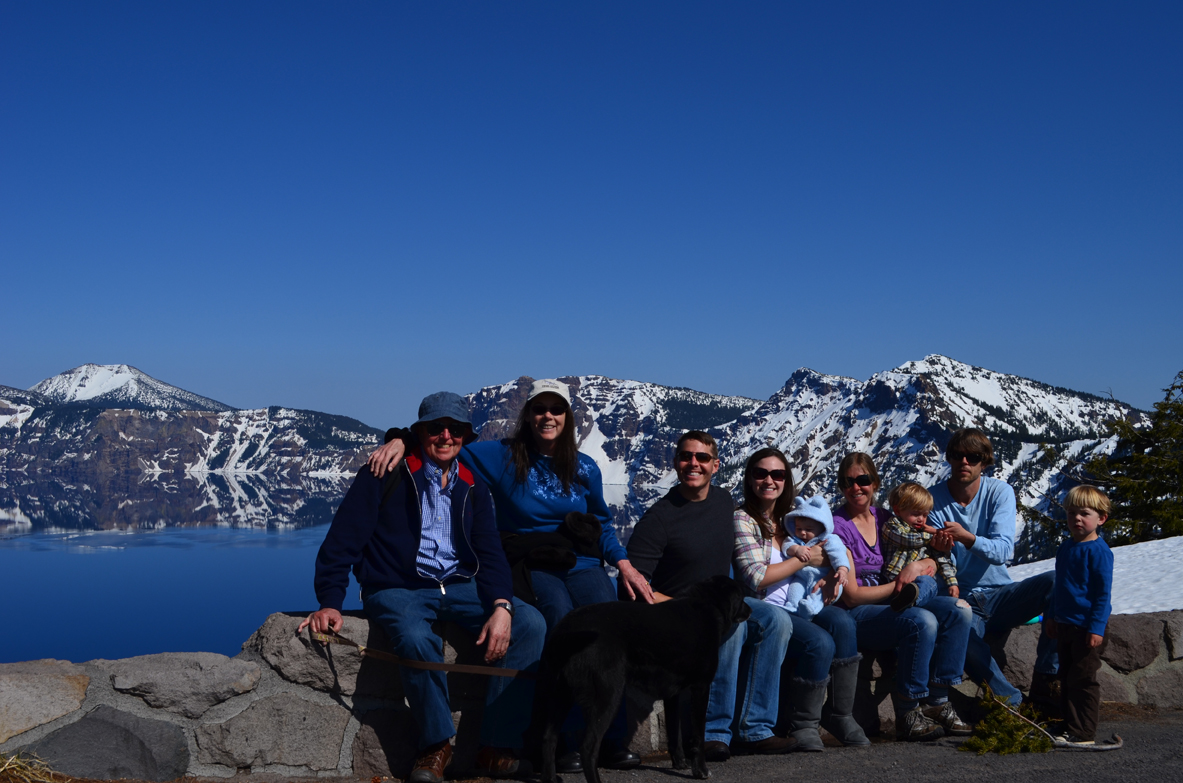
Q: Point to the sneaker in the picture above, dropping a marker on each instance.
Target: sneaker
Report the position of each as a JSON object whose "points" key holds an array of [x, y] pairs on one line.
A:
{"points": [[905, 598], [500, 763], [429, 767], [1071, 740], [716, 750], [945, 716], [915, 726]]}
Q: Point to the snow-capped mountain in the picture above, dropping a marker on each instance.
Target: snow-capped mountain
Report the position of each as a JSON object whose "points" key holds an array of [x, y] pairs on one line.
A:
{"points": [[121, 386], [903, 417]]}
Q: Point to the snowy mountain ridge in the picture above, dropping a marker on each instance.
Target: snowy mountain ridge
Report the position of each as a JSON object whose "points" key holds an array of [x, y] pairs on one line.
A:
{"points": [[121, 386]]}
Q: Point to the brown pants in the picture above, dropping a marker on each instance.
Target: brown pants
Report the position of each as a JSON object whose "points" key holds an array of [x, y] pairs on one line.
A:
{"points": [[1080, 693]]}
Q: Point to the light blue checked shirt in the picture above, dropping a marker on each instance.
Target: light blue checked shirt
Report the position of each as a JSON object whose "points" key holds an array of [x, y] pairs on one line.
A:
{"points": [[437, 546]]}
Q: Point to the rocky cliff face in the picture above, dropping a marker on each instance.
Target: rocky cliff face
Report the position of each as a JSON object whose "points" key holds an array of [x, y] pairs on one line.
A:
{"points": [[64, 463]]}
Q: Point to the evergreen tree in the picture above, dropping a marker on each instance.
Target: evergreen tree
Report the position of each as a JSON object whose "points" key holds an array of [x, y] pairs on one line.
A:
{"points": [[1144, 475]]}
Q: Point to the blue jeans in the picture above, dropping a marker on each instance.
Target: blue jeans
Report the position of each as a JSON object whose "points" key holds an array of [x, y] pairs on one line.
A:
{"points": [[929, 643], [928, 590], [817, 642], [999, 609], [559, 592], [406, 615], [759, 644]]}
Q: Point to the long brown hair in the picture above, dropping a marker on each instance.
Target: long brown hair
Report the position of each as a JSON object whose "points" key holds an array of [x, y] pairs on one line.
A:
{"points": [[523, 452], [784, 503]]}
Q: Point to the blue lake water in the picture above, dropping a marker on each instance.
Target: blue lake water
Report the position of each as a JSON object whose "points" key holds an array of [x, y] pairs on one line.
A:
{"points": [[82, 595]]}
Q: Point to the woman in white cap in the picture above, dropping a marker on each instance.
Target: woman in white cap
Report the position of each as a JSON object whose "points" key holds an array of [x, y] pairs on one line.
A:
{"points": [[537, 477]]}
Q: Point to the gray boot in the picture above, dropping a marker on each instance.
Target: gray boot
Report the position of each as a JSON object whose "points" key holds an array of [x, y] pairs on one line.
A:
{"points": [[836, 715], [806, 698]]}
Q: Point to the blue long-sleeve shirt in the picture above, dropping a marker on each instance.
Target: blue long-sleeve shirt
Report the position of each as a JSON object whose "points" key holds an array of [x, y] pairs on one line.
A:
{"points": [[1084, 584], [541, 504], [991, 517]]}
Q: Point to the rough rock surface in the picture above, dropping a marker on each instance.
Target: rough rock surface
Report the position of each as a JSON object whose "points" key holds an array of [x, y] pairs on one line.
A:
{"points": [[1162, 689], [1016, 654], [1114, 688], [109, 743], [333, 668], [385, 744], [1134, 641], [185, 683], [33, 693], [281, 729], [1174, 621]]}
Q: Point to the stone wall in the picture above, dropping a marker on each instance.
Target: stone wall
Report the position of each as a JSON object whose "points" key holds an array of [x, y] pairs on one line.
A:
{"points": [[289, 706]]}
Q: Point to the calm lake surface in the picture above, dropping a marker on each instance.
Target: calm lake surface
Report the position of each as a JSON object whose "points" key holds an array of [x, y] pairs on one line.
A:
{"points": [[111, 594]]}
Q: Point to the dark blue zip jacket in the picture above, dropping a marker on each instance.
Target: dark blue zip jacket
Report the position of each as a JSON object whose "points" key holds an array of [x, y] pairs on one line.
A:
{"points": [[380, 541]]}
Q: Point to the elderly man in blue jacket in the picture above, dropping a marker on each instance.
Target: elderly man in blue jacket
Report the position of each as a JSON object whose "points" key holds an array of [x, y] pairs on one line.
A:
{"points": [[424, 546]]}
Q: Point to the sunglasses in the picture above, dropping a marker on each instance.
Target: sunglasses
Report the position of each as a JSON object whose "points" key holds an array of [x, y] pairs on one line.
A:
{"points": [[863, 481], [759, 474], [436, 428], [953, 457], [558, 409], [703, 457]]}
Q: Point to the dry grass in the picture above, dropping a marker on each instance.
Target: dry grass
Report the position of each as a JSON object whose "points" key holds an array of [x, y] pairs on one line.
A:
{"points": [[25, 768]]}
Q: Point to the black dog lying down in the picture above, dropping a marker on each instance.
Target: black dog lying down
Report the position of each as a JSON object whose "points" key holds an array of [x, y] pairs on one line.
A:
{"points": [[661, 649]]}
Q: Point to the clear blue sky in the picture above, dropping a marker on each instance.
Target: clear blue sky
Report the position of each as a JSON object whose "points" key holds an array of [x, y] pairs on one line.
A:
{"points": [[345, 206]]}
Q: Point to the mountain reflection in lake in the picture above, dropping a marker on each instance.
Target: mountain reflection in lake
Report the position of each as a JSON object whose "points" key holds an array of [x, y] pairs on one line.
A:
{"points": [[133, 565]]}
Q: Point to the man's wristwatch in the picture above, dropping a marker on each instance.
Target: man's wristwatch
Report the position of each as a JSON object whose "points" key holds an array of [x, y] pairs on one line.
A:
{"points": [[506, 605]]}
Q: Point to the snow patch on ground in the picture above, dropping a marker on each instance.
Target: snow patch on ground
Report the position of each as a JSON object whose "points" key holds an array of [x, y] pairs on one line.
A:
{"points": [[1144, 579]]}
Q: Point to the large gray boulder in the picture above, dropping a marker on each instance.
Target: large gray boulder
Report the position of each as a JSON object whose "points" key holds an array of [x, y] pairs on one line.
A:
{"points": [[1134, 641], [184, 683], [330, 668], [1162, 689], [1016, 654], [33, 693], [109, 743], [281, 729]]}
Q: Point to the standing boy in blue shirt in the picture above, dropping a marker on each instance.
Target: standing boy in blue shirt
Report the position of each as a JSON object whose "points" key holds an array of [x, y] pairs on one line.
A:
{"points": [[1080, 611]]}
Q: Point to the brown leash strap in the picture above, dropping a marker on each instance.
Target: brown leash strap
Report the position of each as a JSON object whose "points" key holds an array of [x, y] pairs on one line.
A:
{"points": [[460, 668]]}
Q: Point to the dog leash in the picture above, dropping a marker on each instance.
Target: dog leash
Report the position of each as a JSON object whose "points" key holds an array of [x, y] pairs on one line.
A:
{"points": [[459, 668]]}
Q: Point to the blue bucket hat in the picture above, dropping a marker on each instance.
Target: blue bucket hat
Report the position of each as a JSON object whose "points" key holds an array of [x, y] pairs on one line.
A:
{"points": [[446, 405]]}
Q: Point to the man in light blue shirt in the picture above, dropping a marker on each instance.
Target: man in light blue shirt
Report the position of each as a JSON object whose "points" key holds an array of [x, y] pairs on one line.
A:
{"points": [[976, 515]]}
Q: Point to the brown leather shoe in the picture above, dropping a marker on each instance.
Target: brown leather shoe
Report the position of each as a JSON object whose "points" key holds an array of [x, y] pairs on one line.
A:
{"points": [[500, 763], [429, 767], [716, 750]]}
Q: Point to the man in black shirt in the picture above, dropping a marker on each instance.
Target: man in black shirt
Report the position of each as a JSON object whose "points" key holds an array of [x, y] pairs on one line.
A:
{"points": [[686, 537]]}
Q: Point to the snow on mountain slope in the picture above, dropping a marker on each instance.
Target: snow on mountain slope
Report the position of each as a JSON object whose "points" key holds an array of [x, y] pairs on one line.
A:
{"points": [[121, 386], [1143, 580]]}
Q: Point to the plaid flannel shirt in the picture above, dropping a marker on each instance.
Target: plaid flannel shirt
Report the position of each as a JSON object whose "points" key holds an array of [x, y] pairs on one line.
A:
{"points": [[903, 545], [752, 552]]}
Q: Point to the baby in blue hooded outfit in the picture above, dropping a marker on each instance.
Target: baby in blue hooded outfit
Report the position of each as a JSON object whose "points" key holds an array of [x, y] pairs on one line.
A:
{"points": [[813, 524]]}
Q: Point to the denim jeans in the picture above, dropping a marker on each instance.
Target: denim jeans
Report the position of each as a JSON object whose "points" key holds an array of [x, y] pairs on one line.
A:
{"points": [[928, 590], [999, 609], [930, 643], [559, 592], [406, 615], [816, 643], [752, 655]]}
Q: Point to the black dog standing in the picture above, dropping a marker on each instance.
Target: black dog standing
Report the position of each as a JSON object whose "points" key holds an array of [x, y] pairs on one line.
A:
{"points": [[661, 649]]}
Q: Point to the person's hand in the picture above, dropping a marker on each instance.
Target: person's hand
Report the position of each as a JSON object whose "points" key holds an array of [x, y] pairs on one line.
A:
{"points": [[799, 552], [817, 556], [830, 589], [952, 531], [496, 632], [634, 583], [387, 457], [325, 620], [1049, 627], [954, 591], [840, 576], [912, 570], [1095, 639]]}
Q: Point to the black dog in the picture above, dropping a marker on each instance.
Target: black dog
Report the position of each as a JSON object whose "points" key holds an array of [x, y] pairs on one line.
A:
{"points": [[661, 649]]}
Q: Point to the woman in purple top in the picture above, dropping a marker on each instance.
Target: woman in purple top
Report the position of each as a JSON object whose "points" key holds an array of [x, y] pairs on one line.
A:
{"points": [[929, 643]]}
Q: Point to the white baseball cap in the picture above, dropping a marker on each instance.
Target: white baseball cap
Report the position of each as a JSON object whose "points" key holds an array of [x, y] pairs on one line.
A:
{"points": [[551, 386]]}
